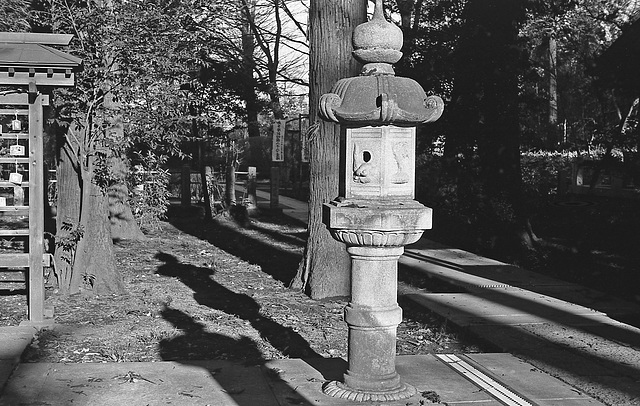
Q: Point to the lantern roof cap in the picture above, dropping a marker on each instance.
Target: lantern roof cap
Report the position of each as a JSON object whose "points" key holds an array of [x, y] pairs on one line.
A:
{"points": [[377, 96]]}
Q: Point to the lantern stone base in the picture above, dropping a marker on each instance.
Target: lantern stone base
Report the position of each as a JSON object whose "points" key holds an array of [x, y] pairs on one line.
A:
{"points": [[340, 390], [375, 236]]}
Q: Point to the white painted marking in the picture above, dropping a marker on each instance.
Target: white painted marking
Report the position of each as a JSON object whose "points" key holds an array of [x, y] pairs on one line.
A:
{"points": [[497, 390]]}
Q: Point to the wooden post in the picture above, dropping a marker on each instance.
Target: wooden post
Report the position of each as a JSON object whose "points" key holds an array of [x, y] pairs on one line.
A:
{"points": [[36, 207], [274, 195], [206, 193], [252, 200], [186, 186]]}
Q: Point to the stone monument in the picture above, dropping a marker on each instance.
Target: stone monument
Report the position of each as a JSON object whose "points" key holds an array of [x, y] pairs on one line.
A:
{"points": [[375, 214]]}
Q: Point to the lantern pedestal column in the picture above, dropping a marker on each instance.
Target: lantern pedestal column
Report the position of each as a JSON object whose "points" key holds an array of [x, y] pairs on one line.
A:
{"points": [[373, 314], [374, 214]]}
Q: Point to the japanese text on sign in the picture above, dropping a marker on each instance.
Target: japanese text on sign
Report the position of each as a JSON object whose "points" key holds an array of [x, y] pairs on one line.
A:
{"points": [[277, 149]]}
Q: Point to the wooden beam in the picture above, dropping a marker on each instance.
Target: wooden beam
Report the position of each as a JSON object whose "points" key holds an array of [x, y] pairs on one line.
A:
{"points": [[12, 276], [19, 98], [12, 209], [14, 233], [4, 183], [14, 160], [19, 78], [20, 112], [17, 260], [14, 136]]}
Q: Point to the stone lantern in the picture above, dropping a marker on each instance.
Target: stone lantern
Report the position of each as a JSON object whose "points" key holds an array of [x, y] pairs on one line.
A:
{"points": [[375, 214]]}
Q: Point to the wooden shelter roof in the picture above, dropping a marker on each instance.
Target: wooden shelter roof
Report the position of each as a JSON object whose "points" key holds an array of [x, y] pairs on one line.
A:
{"points": [[29, 58], [32, 55]]}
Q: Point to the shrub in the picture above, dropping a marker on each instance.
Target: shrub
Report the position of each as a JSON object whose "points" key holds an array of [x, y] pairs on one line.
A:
{"points": [[540, 170], [148, 186]]}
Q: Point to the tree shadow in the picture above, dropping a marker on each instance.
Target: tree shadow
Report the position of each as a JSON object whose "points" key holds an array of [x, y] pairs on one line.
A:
{"points": [[298, 238], [210, 293], [485, 283], [281, 264]]}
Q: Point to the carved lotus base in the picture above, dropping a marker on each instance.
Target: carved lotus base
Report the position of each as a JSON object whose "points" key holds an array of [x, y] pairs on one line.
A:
{"points": [[340, 390], [375, 238]]}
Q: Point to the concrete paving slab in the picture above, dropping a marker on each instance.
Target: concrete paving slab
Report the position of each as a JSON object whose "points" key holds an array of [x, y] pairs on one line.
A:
{"points": [[584, 347], [555, 321], [590, 298], [471, 271], [290, 207], [506, 307], [623, 360], [14, 340], [613, 383], [523, 378], [427, 373], [278, 382], [301, 381], [218, 383], [475, 273], [6, 369]]}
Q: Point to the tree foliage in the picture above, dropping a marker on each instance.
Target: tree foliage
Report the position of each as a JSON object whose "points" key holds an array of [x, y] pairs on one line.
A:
{"points": [[14, 15], [158, 77], [467, 52], [582, 30]]}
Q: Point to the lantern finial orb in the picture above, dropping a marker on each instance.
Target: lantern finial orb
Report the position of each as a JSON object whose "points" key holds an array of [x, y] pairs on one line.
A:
{"points": [[377, 43]]}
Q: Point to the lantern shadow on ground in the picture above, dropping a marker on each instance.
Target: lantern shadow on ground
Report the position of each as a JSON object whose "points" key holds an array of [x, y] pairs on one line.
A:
{"points": [[194, 343]]}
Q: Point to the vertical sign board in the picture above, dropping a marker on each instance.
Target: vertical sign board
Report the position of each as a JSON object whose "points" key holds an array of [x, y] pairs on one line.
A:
{"points": [[277, 148], [304, 139]]}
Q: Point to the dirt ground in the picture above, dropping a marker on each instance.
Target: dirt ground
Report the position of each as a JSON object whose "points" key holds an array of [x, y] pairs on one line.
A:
{"points": [[218, 290]]}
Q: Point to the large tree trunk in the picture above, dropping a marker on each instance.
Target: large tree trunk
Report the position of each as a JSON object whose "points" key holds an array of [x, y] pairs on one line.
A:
{"points": [[95, 265], [204, 177], [553, 93], [499, 138], [67, 215], [87, 261], [230, 176], [249, 88], [324, 269], [123, 225], [484, 113]]}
